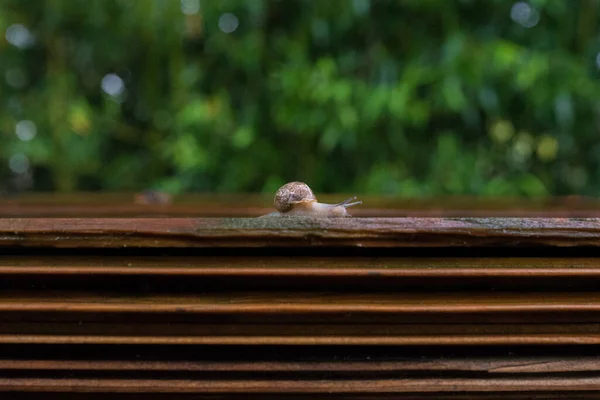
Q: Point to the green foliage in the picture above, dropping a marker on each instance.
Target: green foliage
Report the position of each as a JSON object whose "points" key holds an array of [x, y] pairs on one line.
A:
{"points": [[413, 98]]}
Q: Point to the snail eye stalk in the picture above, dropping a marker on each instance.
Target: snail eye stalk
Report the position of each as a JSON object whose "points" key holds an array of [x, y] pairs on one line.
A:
{"points": [[348, 202]]}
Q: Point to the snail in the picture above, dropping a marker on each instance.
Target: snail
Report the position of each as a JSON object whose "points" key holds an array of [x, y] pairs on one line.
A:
{"points": [[297, 199]]}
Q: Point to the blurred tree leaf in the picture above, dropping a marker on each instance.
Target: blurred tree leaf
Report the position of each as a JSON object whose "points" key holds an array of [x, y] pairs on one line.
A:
{"points": [[415, 98]]}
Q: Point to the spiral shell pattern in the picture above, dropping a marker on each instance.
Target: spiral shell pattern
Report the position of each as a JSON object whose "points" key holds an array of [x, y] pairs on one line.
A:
{"points": [[292, 193]]}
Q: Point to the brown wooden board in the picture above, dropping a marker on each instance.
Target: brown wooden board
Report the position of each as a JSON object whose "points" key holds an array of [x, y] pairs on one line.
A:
{"points": [[297, 232], [103, 297]]}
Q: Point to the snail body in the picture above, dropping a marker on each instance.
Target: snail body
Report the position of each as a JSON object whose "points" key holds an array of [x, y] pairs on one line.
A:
{"points": [[297, 199]]}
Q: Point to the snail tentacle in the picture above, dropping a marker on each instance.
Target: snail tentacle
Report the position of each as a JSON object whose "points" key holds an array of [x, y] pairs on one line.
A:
{"points": [[347, 203]]}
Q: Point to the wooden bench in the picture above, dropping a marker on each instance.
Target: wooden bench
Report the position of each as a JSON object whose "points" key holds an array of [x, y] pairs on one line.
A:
{"points": [[104, 298]]}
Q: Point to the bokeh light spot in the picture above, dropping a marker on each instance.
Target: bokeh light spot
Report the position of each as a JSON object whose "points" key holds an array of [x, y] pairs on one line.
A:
{"points": [[19, 36], [524, 15], [228, 23], [113, 85], [501, 131], [25, 130], [547, 148], [523, 146], [190, 7]]}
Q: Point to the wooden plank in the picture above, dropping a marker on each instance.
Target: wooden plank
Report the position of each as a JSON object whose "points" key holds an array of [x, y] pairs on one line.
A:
{"points": [[504, 366], [304, 318], [57, 303], [298, 232], [324, 386], [307, 264], [147, 328], [193, 274], [268, 303], [457, 376], [304, 337], [539, 395], [576, 339], [503, 377], [457, 340], [198, 273]]}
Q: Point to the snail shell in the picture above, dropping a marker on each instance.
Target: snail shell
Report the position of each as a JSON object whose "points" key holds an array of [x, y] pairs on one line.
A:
{"points": [[291, 194], [297, 199]]}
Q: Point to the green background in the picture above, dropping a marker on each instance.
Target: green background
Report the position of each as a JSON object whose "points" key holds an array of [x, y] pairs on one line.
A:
{"points": [[412, 98]]}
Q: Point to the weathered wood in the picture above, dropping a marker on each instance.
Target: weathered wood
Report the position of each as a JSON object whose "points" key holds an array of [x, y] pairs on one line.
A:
{"points": [[577, 338], [116, 263], [260, 273], [507, 365], [298, 232], [448, 377], [271, 318], [538, 395], [156, 301], [391, 273], [269, 303], [323, 386]]}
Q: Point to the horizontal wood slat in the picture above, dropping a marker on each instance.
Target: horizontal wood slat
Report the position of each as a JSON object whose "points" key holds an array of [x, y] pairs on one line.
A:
{"points": [[293, 265], [507, 366], [302, 303], [303, 318], [297, 232], [322, 386]]}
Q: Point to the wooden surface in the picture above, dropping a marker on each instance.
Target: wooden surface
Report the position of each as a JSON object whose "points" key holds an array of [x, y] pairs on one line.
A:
{"points": [[297, 232], [104, 298]]}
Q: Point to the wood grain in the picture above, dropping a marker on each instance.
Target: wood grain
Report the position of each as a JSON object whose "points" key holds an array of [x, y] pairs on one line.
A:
{"points": [[305, 318], [198, 274], [432, 385], [298, 232], [101, 297], [507, 365]]}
